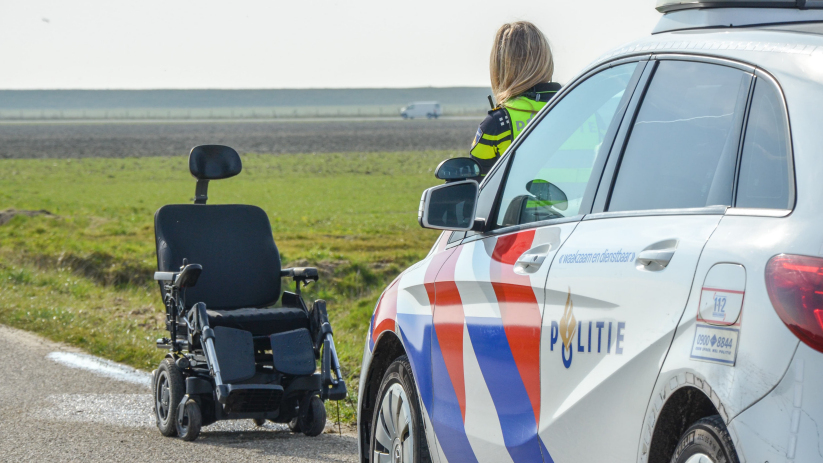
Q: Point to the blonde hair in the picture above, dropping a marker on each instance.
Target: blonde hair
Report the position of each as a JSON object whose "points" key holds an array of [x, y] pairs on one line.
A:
{"points": [[521, 58]]}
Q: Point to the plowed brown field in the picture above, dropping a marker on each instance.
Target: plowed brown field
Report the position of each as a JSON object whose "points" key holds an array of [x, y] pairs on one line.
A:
{"points": [[138, 139]]}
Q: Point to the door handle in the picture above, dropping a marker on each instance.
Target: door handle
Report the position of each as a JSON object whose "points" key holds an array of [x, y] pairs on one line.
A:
{"points": [[531, 260], [661, 257]]}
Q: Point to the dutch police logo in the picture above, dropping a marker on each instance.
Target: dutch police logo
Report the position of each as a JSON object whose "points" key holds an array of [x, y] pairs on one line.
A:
{"points": [[477, 137], [602, 337]]}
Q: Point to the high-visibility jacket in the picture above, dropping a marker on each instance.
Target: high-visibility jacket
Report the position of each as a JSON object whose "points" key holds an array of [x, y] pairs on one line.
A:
{"points": [[504, 123]]}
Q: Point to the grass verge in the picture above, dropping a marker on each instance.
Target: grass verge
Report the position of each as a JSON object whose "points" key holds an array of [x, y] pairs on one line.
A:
{"points": [[82, 274]]}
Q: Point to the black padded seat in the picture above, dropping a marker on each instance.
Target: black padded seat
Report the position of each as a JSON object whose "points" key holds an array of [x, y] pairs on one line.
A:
{"points": [[241, 265], [233, 243], [260, 322]]}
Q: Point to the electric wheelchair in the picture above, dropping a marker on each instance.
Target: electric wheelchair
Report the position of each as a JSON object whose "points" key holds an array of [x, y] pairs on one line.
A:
{"points": [[232, 355]]}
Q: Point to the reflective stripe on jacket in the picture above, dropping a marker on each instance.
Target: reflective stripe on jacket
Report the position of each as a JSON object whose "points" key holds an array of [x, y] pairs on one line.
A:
{"points": [[506, 122]]}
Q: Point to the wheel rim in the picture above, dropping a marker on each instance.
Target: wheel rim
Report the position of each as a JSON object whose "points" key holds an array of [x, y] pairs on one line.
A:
{"points": [[393, 434], [699, 458], [163, 397], [183, 424]]}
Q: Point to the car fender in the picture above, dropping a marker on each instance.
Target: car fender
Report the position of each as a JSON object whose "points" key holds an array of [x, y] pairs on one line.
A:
{"points": [[404, 312], [765, 346]]}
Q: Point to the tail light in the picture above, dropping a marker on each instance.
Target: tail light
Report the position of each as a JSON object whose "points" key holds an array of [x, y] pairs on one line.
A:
{"points": [[795, 286]]}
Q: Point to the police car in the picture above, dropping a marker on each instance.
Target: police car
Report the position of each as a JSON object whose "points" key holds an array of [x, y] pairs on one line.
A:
{"points": [[639, 278]]}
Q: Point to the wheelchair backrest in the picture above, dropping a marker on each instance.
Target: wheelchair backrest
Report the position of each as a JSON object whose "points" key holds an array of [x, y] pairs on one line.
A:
{"points": [[233, 243]]}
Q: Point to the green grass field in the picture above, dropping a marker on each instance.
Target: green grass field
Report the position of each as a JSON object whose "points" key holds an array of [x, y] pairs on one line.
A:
{"points": [[83, 274]]}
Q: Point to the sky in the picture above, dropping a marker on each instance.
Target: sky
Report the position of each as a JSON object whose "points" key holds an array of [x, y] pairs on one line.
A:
{"points": [[124, 44]]}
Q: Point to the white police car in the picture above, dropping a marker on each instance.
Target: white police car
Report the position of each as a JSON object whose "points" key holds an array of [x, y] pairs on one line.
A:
{"points": [[640, 277]]}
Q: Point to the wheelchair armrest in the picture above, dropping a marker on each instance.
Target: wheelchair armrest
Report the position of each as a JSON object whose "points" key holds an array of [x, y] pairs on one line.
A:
{"points": [[300, 273], [164, 276], [186, 278]]}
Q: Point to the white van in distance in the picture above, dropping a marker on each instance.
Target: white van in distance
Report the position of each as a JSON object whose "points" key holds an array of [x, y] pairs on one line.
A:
{"points": [[427, 109]]}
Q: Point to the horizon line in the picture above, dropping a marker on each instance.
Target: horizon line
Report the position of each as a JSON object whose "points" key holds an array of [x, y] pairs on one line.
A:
{"points": [[236, 89]]}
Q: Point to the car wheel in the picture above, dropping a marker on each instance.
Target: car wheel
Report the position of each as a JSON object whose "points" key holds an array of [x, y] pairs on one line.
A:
{"points": [[397, 425], [706, 441]]}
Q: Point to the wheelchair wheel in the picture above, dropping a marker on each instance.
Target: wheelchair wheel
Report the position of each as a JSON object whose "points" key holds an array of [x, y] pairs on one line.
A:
{"points": [[294, 424], [169, 388], [312, 417], [188, 428]]}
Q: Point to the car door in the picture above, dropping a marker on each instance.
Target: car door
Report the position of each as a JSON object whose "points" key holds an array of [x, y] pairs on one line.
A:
{"points": [[489, 293], [619, 285]]}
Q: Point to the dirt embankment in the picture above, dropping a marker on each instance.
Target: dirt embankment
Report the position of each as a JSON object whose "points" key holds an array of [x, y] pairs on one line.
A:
{"points": [[8, 214]]}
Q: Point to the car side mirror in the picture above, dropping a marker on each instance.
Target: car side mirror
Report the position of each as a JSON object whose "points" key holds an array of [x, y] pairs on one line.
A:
{"points": [[449, 207], [546, 191], [456, 169]]}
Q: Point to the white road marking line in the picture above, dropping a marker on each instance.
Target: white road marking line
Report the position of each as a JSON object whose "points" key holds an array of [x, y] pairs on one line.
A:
{"points": [[101, 367]]}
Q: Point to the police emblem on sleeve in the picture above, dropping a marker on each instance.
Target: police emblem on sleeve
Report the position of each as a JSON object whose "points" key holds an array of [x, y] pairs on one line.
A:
{"points": [[477, 137]]}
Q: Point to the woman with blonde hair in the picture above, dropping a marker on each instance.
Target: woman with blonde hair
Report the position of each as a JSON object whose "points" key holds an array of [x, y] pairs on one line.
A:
{"points": [[521, 69]]}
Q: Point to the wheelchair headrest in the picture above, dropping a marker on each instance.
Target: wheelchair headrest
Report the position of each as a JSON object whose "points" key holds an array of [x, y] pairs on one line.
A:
{"points": [[213, 162]]}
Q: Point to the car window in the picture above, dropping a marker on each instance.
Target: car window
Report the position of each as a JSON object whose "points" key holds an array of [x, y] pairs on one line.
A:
{"points": [[682, 149], [765, 167], [488, 191], [551, 167], [456, 236]]}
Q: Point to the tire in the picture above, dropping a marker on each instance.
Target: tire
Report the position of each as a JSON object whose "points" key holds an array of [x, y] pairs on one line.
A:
{"points": [[189, 428], [258, 421], [397, 401], [169, 388], [312, 417], [706, 441], [294, 424]]}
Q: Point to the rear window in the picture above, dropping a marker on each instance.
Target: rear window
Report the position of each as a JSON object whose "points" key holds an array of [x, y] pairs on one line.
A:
{"points": [[765, 179], [682, 150]]}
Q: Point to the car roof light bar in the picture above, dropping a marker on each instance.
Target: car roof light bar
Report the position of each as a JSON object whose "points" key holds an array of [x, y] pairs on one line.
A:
{"points": [[666, 6]]}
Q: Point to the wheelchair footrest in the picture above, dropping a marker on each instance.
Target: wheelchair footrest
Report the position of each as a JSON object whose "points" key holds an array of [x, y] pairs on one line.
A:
{"points": [[293, 352], [235, 353], [249, 398]]}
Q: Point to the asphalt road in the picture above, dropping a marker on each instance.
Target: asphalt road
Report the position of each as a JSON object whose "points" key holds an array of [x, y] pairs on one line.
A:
{"points": [[53, 412]]}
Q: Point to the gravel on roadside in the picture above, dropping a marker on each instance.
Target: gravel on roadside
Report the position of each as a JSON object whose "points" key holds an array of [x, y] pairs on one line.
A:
{"points": [[51, 412]]}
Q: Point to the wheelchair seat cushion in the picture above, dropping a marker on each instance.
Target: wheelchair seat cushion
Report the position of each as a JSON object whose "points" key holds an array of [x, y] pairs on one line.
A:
{"points": [[260, 322]]}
